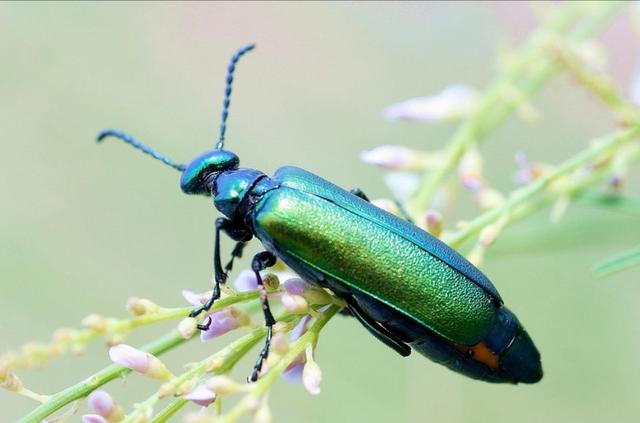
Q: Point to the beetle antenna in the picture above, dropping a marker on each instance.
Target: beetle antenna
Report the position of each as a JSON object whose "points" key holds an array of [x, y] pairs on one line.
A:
{"points": [[227, 91], [137, 144]]}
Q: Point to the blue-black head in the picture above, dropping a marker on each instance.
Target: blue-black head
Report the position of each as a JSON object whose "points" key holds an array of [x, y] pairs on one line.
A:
{"points": [[198, 177]]}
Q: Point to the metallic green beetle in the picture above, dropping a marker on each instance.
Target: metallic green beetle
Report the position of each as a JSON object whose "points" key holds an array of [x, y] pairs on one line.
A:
{"points": [[406, 287]]}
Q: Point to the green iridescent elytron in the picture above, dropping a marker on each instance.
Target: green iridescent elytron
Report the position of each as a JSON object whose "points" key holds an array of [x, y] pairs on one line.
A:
{"points": [[406, 287]]}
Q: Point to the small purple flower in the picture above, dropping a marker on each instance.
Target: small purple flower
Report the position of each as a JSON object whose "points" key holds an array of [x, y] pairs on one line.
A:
{"points": [[140, 361], [201, 395], [312, 376], [132, 358], [296, 286], [223, 321], [94, 418], [293, 372], [451, 103], [392, 157], [194, 298], [246, 281], [434, 222], [299, 329], [102, 403]]}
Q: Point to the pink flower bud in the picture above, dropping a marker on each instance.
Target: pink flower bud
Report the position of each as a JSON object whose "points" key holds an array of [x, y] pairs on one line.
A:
{"points": [[246, 281], [451, 103], [393, 157], [140, 361], [224, 321], [102, 403], [201, 395], [187, 327], [293, 372], [195, 299], [434, 222], [94, 418], [311, 377], [295, 303]]}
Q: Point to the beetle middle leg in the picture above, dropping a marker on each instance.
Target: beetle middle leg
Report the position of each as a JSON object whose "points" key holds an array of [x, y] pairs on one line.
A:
{"points": [[241, 235], [260, 262]]}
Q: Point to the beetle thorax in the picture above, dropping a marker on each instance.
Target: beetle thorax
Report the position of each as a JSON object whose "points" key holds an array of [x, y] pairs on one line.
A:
{"points": [[232, 188]]}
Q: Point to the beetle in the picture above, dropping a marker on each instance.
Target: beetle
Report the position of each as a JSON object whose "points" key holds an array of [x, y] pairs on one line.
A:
{"points": [[406, 287]]}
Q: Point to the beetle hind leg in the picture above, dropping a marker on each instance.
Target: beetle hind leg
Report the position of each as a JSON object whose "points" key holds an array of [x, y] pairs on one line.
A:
{"points": [[376, 329], [260, 262]]}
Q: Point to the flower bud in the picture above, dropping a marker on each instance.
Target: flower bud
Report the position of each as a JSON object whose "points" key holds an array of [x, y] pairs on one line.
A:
{"points": [[223, 321], [187, 327], [393, 157], [140, 361], [246, 281], [271, 282], [201, 395], [295, 304], [470, 170], [311, 377], [434, 222], [141, 306], [11, 383], [95, 322], [222, 385], [279, 344], [451, 103], [104, 405], [489, 198], [94, 418]]}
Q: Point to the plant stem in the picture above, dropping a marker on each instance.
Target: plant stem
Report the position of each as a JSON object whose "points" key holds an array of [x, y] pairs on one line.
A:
{"points": [[520, 196], [526, 73], [265, 382], [157, 347], [84, 388]]}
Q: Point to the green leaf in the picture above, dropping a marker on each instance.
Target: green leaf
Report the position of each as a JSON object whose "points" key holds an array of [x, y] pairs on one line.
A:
{"points": [[616, 264]]}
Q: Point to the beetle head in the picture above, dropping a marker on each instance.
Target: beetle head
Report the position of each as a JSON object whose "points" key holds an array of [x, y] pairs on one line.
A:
{"points": [[200, 173]]}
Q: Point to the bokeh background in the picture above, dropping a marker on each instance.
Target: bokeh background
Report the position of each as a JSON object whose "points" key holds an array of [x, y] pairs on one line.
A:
{"points": [[83, 227]]}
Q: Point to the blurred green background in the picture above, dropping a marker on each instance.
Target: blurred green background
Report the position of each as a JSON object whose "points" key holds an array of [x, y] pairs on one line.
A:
{"points": [[83, 227]]}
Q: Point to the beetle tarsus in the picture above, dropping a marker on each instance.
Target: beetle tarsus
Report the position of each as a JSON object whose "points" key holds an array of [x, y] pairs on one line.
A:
{"points": [[260, 262]]}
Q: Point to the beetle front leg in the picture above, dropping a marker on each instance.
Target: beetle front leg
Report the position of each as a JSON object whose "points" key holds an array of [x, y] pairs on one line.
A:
{"points": [[260, 262], [237, 232]]}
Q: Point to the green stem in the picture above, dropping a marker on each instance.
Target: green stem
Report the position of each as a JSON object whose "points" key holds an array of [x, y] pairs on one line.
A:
{"points": [[265, 382], [527, 72], [522, 195], [157, 347], [169, 411], [93, 382]]}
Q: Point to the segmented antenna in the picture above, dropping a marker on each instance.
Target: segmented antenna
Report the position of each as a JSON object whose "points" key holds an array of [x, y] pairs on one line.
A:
{"points": [[227, 91], [137, 144]]}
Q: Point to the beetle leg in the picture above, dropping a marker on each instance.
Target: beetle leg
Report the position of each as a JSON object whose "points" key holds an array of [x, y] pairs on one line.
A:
{"points": [[236, 232], [376, 329], [359, 193], [260, 262], [403, 210]]}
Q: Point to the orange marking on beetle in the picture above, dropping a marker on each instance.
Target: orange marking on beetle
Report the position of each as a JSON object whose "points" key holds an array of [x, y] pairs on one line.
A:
{"points": [[480, 352]]}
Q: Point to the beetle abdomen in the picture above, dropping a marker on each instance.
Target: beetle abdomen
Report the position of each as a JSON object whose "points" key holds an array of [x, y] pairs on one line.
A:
{"points": [[505, 355], [302, 228]]}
